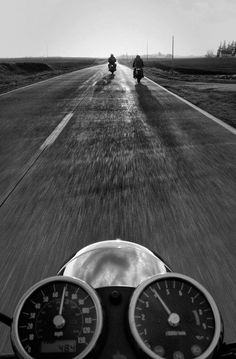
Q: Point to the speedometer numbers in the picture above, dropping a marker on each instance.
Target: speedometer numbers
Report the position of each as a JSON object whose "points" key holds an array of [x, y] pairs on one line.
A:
{"points": [[172, 316], [60, 317]]}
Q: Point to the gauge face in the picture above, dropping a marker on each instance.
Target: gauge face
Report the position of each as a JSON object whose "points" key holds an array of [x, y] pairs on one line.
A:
{"points": [[172, 316], [59, 317]]}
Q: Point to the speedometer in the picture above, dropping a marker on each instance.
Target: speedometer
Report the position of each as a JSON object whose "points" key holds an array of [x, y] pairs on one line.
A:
{"points": [[59, 317], [172, 316]]}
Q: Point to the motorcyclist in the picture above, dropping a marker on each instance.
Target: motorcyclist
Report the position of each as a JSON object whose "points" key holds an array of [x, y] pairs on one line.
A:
{"points": [[111, 61], [138, 63]]}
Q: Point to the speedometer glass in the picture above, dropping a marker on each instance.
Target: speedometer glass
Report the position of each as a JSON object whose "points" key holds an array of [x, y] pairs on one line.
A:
{"points": [[172, 316], [59, 317]]}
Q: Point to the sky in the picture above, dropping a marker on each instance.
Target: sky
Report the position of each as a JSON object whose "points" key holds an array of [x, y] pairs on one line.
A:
{"points": [[98, 28]]}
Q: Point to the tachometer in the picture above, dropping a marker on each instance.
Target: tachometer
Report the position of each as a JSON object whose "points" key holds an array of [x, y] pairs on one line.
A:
{"points": [[59, 317], [172, 316]]}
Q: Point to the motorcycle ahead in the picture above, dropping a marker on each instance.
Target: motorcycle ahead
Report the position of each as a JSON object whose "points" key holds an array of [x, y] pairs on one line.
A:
{"points": [[117, 300], [112, 68], [138, 74]]}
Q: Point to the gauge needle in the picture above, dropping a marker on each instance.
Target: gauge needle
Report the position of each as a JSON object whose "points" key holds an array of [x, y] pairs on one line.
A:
{"points": [[173, 318], [62, 300], [161, 301], [58, 320]]}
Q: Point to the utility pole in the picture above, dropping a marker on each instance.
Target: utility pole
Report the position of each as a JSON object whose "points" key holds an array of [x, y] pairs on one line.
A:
{"points": [[172, 52], [147, 50], [46, 48]]}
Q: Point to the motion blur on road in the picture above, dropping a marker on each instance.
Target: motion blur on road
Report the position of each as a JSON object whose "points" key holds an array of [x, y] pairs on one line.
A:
{"points": [[133, 162]]}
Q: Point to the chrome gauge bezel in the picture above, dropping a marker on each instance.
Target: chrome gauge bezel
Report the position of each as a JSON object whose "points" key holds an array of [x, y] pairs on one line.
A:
{"points": [[19, 349], [131, 315]]}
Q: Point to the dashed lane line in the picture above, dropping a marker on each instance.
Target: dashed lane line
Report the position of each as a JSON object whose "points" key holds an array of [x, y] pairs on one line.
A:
{"points": [[48, 142], [51, 138]]}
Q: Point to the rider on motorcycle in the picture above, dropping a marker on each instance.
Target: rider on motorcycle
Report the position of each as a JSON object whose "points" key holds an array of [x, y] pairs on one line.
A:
{"points": [[138, 63], [112, 61]]}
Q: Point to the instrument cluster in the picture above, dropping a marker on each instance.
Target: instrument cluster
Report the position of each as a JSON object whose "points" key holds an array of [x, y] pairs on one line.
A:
{"points": [[167, 316]]}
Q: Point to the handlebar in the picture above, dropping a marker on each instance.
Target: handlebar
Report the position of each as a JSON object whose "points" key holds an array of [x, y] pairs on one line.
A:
{"points": [[5, 319], [228, 351]]}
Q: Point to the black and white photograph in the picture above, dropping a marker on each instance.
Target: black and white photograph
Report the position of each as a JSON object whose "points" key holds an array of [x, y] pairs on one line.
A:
{"points": [[117, 179]]}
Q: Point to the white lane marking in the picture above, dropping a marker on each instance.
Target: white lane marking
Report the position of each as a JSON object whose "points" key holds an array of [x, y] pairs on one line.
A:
{"points": [[56, 132], [207, 114], [48, 142]]}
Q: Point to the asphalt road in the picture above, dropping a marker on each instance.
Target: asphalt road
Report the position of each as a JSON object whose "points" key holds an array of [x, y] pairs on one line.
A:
{"points": [[133, 162]]}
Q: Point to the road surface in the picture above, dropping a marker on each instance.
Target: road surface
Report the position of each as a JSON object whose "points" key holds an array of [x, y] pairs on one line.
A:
{"points": [[87, 157]]}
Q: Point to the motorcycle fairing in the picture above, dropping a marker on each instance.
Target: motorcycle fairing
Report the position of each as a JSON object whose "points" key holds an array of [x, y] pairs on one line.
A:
{"points": [[114, 263]]}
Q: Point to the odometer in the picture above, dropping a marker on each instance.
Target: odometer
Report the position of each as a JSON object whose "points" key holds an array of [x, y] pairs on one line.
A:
{"points": [[59, 346], [172, 316], [59, 317]]}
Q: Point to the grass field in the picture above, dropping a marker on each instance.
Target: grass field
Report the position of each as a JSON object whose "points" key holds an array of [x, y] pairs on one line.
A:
{"points": [[16, 73], [197, 66]]}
